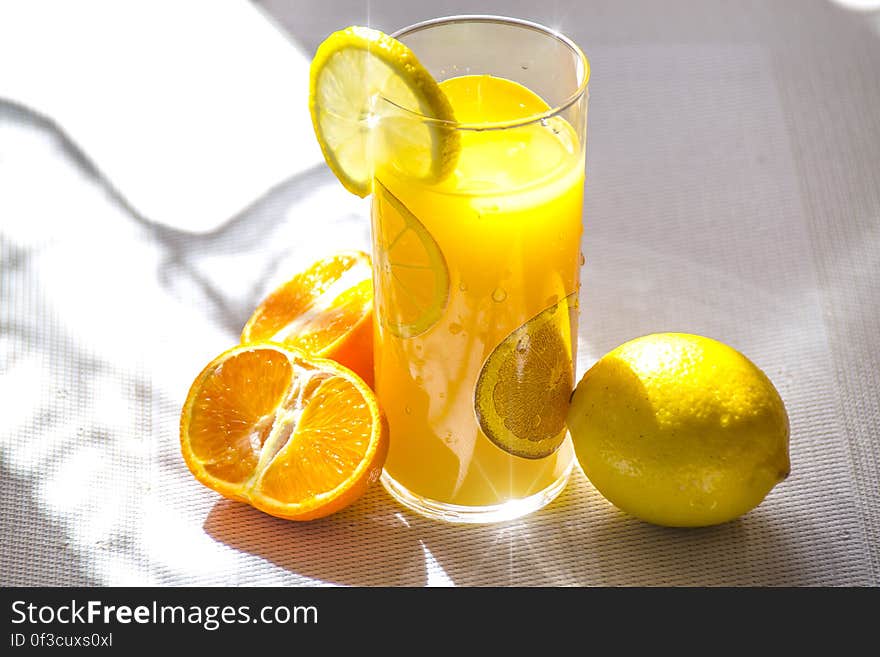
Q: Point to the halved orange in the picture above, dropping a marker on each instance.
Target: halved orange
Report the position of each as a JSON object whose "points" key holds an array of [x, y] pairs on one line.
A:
{"points": [[325, 311], [294, 436]]}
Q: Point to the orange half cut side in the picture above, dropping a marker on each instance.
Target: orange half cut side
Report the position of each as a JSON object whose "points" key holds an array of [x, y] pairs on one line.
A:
{"points": [[294, 436], [326, 310]]}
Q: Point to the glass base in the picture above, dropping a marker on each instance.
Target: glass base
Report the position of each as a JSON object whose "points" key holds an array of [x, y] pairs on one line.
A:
{"points": [[475, 514]]}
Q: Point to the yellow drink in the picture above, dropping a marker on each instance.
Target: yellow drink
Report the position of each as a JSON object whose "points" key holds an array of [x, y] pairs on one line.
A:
{"points": [[476, 280]]}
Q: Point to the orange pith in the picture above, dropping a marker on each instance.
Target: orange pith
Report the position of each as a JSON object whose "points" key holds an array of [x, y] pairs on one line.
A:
{"points": [[294, 436], [325, 311]]}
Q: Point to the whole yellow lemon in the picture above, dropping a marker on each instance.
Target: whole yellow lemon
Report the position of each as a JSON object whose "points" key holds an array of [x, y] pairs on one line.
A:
{"points": [[680, 430]]}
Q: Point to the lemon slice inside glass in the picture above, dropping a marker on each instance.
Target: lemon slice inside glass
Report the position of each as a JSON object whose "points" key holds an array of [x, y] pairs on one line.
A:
{"points": [[522, 394], [369, 97], [411, 269]]}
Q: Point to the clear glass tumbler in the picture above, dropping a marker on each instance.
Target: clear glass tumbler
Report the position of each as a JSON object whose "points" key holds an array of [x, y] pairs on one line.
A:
{"points": [[476, 276]]}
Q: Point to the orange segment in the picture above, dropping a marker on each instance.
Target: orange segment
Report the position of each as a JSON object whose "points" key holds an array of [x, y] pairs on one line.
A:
{"points": [[230, 405], [325, 310], [294, 436], [327, 448]]}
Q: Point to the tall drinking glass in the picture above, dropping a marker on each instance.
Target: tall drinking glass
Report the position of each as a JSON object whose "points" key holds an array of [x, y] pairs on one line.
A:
{"points": [[476, 276]]}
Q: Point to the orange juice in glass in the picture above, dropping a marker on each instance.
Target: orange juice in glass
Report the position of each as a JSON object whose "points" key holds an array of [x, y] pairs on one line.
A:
{"points": [[476, 276]]}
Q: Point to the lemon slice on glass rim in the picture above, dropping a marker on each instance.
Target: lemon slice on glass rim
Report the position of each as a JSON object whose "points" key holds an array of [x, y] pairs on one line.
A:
{"points": [[372, 101]]}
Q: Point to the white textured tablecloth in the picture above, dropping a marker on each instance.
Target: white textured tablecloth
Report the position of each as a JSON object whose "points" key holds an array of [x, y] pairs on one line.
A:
{"points": [[733, 190]]}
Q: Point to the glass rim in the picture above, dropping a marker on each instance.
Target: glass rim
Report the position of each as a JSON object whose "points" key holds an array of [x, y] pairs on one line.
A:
{"points": [[580, 91]]}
